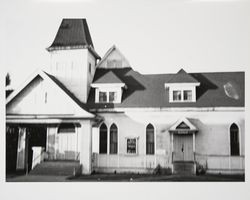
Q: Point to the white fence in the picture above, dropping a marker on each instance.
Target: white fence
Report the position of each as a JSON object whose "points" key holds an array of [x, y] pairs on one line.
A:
{"points": [[221, 163], [129, 162]]}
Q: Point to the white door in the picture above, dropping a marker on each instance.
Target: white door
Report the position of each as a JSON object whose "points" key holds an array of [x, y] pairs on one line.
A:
{"points": [[183, 148]]}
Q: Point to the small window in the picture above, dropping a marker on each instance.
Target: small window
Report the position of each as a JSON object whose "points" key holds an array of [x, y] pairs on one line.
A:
{"points": [[234, 140], [103, 139], [90, 68], [112, 97], [131, 146], [176, 95], [66, 128], [113, 139], [150, 146], [187, 95], [102, 97]]}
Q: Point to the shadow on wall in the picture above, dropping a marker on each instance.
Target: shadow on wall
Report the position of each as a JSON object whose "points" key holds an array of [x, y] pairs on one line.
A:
{"points": [[205, 85]]}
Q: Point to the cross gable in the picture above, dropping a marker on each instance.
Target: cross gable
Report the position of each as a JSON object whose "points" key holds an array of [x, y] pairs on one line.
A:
{"points": [[40, 95], [113, 59], [183, 124]]}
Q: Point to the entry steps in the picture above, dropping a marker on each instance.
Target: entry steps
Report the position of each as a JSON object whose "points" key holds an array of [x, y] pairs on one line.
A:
{"points": [[65, 168], [184, 168]]}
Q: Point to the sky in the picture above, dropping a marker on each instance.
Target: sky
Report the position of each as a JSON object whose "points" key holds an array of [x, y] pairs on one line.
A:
{"points": [[156, 36]]}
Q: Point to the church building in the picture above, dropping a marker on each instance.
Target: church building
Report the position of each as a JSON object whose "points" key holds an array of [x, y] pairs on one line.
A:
{"points": [[103, 115]]}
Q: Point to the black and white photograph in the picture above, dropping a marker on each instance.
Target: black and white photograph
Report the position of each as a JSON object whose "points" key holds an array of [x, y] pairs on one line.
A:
{"points": [[103, 95]]}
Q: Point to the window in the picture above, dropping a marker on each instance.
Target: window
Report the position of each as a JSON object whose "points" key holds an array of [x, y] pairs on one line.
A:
{"points": [[66, 128], [234, 140], [105, 97], [150, 146], [176, 95], [90, 68], [182, 95], [187, 95], [102, 97], [103, 139], [112, 97], [113, 139], [131, 146]]}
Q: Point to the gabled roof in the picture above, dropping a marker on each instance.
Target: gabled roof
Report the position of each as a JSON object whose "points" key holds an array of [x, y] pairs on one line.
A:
{"points": [[108, 77], [148, 91], [108, 53], [72, 33], [55, 83], [183, 124], [182, 77]]}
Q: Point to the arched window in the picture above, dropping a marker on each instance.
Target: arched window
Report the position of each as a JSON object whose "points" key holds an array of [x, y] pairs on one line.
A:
{"points": [[113, 139], [234, 140], [103, 139], [66, 128], [150, 144]]}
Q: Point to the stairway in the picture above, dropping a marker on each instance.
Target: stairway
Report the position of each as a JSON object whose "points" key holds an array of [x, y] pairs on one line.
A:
{"points": [[65, 168], [184, 168]]}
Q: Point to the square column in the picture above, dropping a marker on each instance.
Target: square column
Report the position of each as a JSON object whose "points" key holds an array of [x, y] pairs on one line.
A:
{"points": [[85, 132], [21, 149]]}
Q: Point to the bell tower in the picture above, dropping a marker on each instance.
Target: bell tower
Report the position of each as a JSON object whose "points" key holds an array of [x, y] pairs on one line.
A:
{"points": [[73, 58]]}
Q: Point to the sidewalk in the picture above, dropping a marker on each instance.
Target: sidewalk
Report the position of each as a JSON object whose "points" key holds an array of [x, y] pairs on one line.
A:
{"points": [[127, 178]]}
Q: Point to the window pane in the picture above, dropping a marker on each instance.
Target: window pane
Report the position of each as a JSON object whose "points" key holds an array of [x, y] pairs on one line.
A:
{"points": [[131, 146], [102, 97], [188, 95], [103, 139], [177, 95], [113, 139], [150, 139], [112, 97], [234, 140]]}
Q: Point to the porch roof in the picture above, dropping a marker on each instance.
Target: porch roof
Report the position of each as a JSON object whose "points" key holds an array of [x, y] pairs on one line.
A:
{"points": [[183, 126]]}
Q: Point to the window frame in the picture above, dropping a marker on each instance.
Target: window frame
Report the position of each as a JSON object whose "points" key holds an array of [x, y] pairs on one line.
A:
{"points": [[110, 138], [103, 92], [237, 151], [108, 96], [148, 128], [100, 145]]}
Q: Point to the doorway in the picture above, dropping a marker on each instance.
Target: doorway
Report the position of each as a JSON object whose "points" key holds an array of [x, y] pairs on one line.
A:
{"points": [[183, 148]]}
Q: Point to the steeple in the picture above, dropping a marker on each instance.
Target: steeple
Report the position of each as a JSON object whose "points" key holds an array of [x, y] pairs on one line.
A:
{"points": [[73, 58], [72, 33]]}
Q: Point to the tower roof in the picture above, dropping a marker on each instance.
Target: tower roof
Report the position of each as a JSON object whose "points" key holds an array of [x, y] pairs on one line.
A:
{"points": [[72, 33]]}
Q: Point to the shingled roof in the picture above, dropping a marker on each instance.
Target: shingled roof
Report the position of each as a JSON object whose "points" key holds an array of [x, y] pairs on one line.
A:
{"points": [[108, 77], [72, 33], [218, 89], [182, 77]]}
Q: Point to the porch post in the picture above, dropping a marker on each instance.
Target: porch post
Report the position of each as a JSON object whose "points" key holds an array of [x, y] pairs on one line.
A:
{"points": [[86, 146], [20, 164], [172, 145], [194, 142]]}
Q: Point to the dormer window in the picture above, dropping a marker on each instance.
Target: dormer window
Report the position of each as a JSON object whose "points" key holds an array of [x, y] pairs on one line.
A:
{"points": [[182, 95], [108, 97], [103, 97], [177, 95], [182, 87], [108, 88]]}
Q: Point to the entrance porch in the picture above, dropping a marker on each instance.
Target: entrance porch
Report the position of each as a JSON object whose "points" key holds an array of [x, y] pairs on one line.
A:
{"points": [[183, 147]]}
